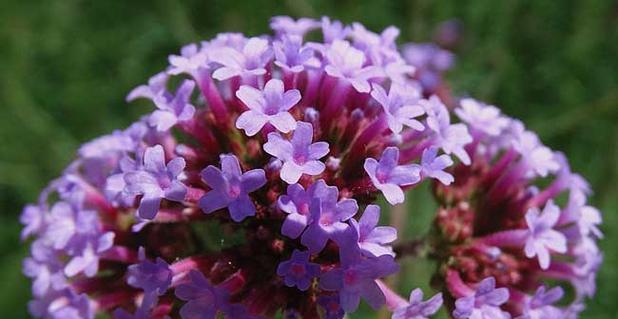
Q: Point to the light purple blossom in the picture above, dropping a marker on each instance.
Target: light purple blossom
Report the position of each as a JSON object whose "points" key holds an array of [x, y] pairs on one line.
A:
{"points": [[417, 308], [481, 117], [142, 312], [540, 306], [64, 304], [251, 61], [292, 56], [101, 156], [298, 271], [299, 155], [234, 40], [152, 277], [356, 276], [433, 166], [373, 240], [538, 158], [331, 306], [428, 56], [190, 60], [327, 218], [173, 109], [231, 188], [287, 25], [33, 217], [347, 63], [115, 186], [86, 260], [587, 217], [367, 40], [156, 86], [156, 181], [451, 138], [399, 106], [204, 301], [77, 232], [270, 105], [334, 30], [542, 238], [296, 203], [46, 269], [484, 303], [387, 176], [70, 225]]}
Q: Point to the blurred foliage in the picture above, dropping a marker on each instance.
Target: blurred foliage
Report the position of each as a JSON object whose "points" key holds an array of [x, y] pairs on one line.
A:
{"points": [[66, 65]]}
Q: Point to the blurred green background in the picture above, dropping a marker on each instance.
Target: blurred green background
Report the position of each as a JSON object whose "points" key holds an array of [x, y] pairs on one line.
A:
{"points": [[66, 66]]}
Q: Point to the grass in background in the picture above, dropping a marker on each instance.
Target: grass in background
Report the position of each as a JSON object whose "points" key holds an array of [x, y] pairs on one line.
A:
{"points": [[65, 67]]}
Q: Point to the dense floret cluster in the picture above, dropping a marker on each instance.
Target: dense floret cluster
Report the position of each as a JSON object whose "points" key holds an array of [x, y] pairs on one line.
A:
{"points": [[251, 190]]}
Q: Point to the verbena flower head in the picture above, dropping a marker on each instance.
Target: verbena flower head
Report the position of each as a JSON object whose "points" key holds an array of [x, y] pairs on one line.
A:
{"points": [[251, 190], [502, 220]]}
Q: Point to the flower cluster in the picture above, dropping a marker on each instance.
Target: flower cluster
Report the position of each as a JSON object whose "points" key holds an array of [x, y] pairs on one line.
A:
{"points": [[251, 190], [501, 224]]}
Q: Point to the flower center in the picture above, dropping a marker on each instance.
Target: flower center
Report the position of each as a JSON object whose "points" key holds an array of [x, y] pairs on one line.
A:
{"points": [[298, 269], [303, 209], [234, 191], [300, 157], [326, 219], [382, 176], [350, 277]]}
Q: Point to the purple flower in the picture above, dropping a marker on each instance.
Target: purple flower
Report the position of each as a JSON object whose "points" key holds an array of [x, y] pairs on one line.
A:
{"points": [[190, 60], [64, 304], [426, 56], [387, 176], [540, 306], [482, 118], [484, 303], [33, 218], [373, 240], [542, 238], [433, 166], [152, 277], [347, 63], [331, 306], [327, 217], [450, 138], [156, 181], [296, 204], [356, 276], [156, 86], [256, 53], [538, 158], [86, 260], [292, 56], [399, 106], [417, 308], [270, 105], [588, 218], [334, 30], [173, 109], [100, 156], [70, 226], [46, 269], [287, 25], [142, 312], [115, 186], [299, 155], [298, 271], [367, 40], [231, 188], [204, 301]]}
